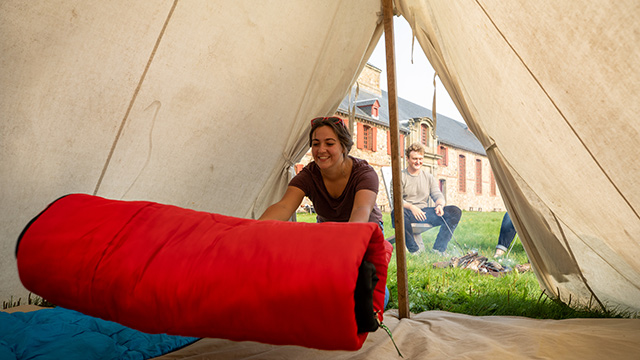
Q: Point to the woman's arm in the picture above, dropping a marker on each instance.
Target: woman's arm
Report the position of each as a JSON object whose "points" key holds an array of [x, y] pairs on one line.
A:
{"points": [[283, 209], [362, 205]]}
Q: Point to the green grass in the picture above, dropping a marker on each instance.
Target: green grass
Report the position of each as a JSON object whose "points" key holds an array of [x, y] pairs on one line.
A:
{"points": [[466, 292], [36, 300]]}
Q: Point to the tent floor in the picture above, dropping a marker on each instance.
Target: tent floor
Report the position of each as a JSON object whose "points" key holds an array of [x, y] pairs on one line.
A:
{"points": [[444, 335]]}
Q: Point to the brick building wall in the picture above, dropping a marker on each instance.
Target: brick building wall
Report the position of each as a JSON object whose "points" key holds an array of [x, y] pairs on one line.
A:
{"points": [[469, 199]]}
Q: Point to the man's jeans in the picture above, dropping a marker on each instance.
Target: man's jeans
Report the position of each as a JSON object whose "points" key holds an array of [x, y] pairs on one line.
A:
{"points": [[451, 215], [507, 233]]}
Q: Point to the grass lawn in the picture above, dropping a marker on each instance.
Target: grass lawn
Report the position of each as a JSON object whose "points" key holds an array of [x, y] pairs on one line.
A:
{"points": [[464, 291]]}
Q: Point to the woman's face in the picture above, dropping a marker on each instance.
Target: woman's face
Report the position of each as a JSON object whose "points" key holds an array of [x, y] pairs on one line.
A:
{"points": [[326, 150]]}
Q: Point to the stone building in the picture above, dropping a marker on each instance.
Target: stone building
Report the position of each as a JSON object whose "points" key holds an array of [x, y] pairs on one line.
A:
{"points": [[454, 155]]}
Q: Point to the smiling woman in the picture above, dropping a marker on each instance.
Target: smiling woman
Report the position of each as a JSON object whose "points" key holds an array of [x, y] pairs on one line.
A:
{"points": [[341, 187]]}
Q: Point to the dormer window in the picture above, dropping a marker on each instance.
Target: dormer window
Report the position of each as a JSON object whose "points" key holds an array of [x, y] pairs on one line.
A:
{"points": [[370, 107]]}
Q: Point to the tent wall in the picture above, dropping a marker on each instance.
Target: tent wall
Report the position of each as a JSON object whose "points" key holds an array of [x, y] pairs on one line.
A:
{"points": [[198, 104], [551, 90], [205, 105]]}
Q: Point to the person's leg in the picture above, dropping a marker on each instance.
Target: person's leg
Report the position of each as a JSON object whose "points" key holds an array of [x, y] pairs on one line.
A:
{"points": [[392, 238], [412, 246], [417, 238], [408, 236], [386, 297], [507, 233], [452, 216], [386, 288]]}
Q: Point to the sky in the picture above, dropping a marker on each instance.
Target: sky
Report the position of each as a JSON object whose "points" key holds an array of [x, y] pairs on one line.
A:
{"points": [[414, 81]]}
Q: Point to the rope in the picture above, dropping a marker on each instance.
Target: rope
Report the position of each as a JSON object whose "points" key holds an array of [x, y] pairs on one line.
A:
{"points": [[451, 231], [383, 326]]}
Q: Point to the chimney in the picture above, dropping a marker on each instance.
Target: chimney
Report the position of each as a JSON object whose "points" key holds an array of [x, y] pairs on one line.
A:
{"points": [[369, 79]]}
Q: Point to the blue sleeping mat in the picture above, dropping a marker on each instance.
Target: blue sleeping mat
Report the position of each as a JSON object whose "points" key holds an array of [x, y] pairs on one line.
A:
{"points": [[59, 333]]}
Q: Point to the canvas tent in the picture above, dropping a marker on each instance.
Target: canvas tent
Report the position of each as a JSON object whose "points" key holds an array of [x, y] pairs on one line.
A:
{"points": [[206, 106]]}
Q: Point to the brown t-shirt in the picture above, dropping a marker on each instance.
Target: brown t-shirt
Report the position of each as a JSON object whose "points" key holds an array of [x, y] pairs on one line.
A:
{"points": [[309, 180]]}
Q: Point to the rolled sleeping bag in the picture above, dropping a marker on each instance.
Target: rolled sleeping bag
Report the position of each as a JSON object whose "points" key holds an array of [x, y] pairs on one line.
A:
{"points": [[165, 269]]}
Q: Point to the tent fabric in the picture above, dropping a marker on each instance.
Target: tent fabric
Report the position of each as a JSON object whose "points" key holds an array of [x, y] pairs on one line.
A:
{"points": [[164, 269], [174, 101], [443, 335], [550, 89], [198, 104]]}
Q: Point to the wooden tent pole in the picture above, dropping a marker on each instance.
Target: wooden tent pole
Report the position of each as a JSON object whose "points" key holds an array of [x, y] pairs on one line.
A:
{"points": [[403, 301]]}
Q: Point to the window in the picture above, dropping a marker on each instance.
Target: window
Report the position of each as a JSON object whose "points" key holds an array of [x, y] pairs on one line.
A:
{"points": [[424, 134], [444, 153], [401, 154], [388, 142], [493, 184], [462, 175], [478, 177], [366, 137]]}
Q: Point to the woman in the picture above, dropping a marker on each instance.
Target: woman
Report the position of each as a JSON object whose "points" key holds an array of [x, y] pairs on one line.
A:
{"points": [[341, 187]]}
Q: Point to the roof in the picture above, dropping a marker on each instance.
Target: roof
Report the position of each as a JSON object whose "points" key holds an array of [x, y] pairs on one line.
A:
{"points": [[457, 134], [448, 130], [367, 102]]}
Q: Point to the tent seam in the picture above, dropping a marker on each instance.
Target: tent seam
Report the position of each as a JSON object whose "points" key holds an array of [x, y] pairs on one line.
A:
{"points": [[584, 145], [134, 97], [584, 280]]}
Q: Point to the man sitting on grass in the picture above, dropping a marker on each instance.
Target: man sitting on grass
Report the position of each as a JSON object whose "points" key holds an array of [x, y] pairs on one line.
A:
{"points": [[417, 187]]}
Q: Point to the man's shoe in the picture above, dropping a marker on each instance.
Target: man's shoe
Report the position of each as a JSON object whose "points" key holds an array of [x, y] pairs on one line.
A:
{"points": [[499, 253]]}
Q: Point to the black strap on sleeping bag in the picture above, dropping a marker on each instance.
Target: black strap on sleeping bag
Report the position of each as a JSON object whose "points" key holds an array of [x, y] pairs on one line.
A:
{"points": [[366, 317], [31, 222]]}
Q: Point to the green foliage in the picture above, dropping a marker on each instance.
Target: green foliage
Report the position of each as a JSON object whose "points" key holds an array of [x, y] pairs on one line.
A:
{"points": [[467, 292]]}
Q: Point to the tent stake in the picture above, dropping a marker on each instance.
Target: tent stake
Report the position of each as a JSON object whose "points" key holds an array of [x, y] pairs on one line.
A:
{"points": [[403, 303]]}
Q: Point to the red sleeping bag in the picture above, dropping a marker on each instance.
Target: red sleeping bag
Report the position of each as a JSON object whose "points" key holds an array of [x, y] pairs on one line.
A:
{"points": [[164, 269]]}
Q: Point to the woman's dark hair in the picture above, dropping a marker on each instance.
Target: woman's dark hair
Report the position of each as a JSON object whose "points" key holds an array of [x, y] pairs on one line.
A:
{"points": [[339, 127]]}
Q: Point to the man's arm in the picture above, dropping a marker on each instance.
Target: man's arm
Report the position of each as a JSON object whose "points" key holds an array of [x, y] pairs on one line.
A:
{"points": [[436, 195], [440, 209]]}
